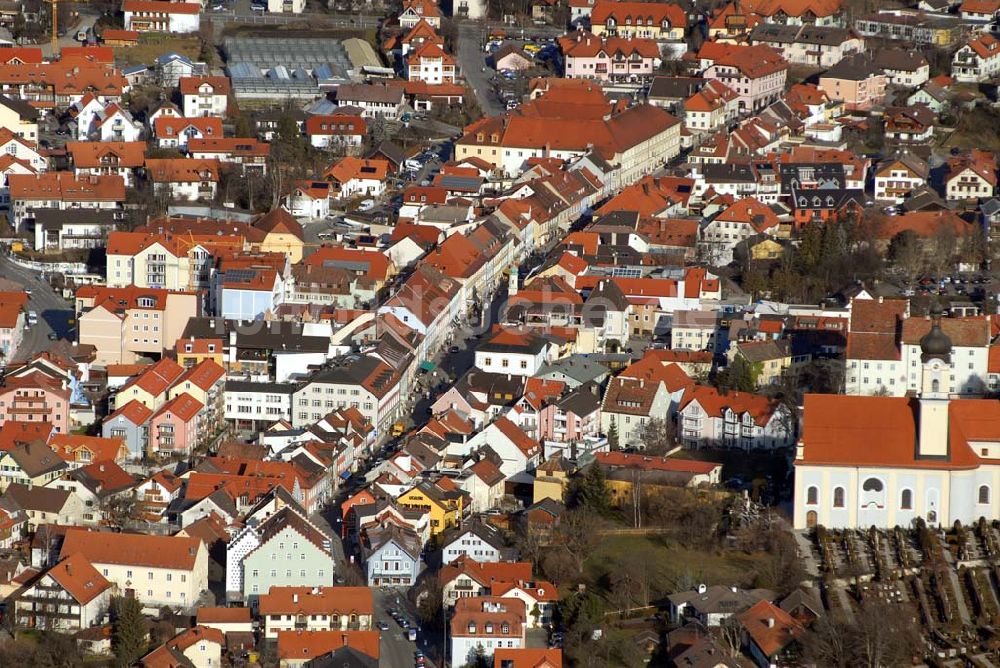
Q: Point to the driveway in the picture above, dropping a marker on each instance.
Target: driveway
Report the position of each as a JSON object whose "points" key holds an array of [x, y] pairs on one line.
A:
{"points": [[54, 312]]}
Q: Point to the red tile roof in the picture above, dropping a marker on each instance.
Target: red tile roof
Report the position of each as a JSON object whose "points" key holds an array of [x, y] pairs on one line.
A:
{"points": [[771, 628], [79, 578], [103, 547], [307, 645], [191, 85]]}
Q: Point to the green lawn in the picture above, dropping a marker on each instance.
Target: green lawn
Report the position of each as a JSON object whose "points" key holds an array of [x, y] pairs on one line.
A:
{"points": [[672, 567]]}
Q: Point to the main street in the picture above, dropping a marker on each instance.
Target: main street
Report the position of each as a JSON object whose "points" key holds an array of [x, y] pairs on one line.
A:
{"points": [[54, 312]]}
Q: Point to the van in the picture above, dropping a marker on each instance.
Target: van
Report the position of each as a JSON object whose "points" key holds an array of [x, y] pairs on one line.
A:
{"points": [[366, 205], [411, 634]]}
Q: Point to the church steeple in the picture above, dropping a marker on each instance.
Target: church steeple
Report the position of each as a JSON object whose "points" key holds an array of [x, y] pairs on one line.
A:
{"points": [[935, 390]]}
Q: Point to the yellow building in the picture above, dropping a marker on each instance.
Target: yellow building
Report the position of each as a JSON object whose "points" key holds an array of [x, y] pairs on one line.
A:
{"points": [[444, 505], [551, 479], [766, 249], [150, 387], [282, 234], [191, 351]]}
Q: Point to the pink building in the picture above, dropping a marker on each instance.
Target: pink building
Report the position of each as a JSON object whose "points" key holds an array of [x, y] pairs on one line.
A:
{"points": [[856, 81], [174, 428], [572, 417], [35, 397], [757, 73], [12, 306], [609, 58]]}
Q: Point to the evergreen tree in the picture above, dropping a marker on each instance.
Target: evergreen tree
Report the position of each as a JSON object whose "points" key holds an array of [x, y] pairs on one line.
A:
{"points": [[129, 631], [594, 494], [613, 435]]}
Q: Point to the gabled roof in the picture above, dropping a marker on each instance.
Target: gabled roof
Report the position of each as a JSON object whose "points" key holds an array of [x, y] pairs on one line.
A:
{"points": [[79, 578], [102, 547]]}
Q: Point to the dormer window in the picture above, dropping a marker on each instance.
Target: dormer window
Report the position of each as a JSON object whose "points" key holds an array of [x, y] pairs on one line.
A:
{"points": [[505, 629], [472, 627]]}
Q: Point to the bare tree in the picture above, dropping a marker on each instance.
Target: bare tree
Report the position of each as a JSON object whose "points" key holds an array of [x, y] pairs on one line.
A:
{"points": [[658, 436]]}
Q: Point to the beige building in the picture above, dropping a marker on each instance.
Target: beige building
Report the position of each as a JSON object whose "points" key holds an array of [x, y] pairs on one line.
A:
{"points": [[157, 570], [315, 609], [124, 324]]}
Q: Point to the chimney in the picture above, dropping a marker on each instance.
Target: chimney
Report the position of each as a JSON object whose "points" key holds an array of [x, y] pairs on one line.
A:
{"points": [[770, 623], [702, 588], [734, 589]]}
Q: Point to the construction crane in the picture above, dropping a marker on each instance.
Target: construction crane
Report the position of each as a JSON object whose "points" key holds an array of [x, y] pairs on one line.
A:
{"points": [[55, 27], [55, 23]]}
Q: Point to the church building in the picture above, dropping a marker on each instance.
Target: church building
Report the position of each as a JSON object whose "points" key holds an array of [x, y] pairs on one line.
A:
{"points": [[867, 461]]}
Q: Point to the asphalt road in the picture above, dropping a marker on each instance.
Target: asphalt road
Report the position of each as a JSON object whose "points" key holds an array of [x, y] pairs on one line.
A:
{"points": [[471, 61], [395, 649], [54, 312]]}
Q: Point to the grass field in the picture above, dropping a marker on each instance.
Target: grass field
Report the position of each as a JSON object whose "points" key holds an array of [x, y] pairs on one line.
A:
{"points": [[151, 46], [671, 566]]}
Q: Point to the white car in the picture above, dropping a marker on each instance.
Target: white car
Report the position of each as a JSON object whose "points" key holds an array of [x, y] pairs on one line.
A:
{"points": [[367, 205]]}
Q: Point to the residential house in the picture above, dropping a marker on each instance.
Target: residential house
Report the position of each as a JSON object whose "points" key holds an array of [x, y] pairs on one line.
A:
{"points": [[745, 218], [971, 176], [912, 125], [40, 505], [315, 609], [415, 11], [126, 323], [184, 178], [336, 131], [485, 623], [712, 605], [98, 158], [13, 317], [250, 155], [977, 60], [431, 64], [160, 16], [646, 20], [518, 451], [615, 59], [856, 81], [70, 596], [905, 68], [507, 350], [304, 552], [130, 423], [770, 634], [204, 96], [62, 191], [572, 417], [733, 420], [174, 428], [897, 177], [476, 540], [157, 570], [375, 100], [363, 382], [200, 646], [445, 505], [392, 556], [353, 177], [711, 108], [97, 485], [757, 73], [177, 131]]}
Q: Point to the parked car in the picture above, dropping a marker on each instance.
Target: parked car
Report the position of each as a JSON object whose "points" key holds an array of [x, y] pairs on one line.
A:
{"points": [[366, 205]]}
